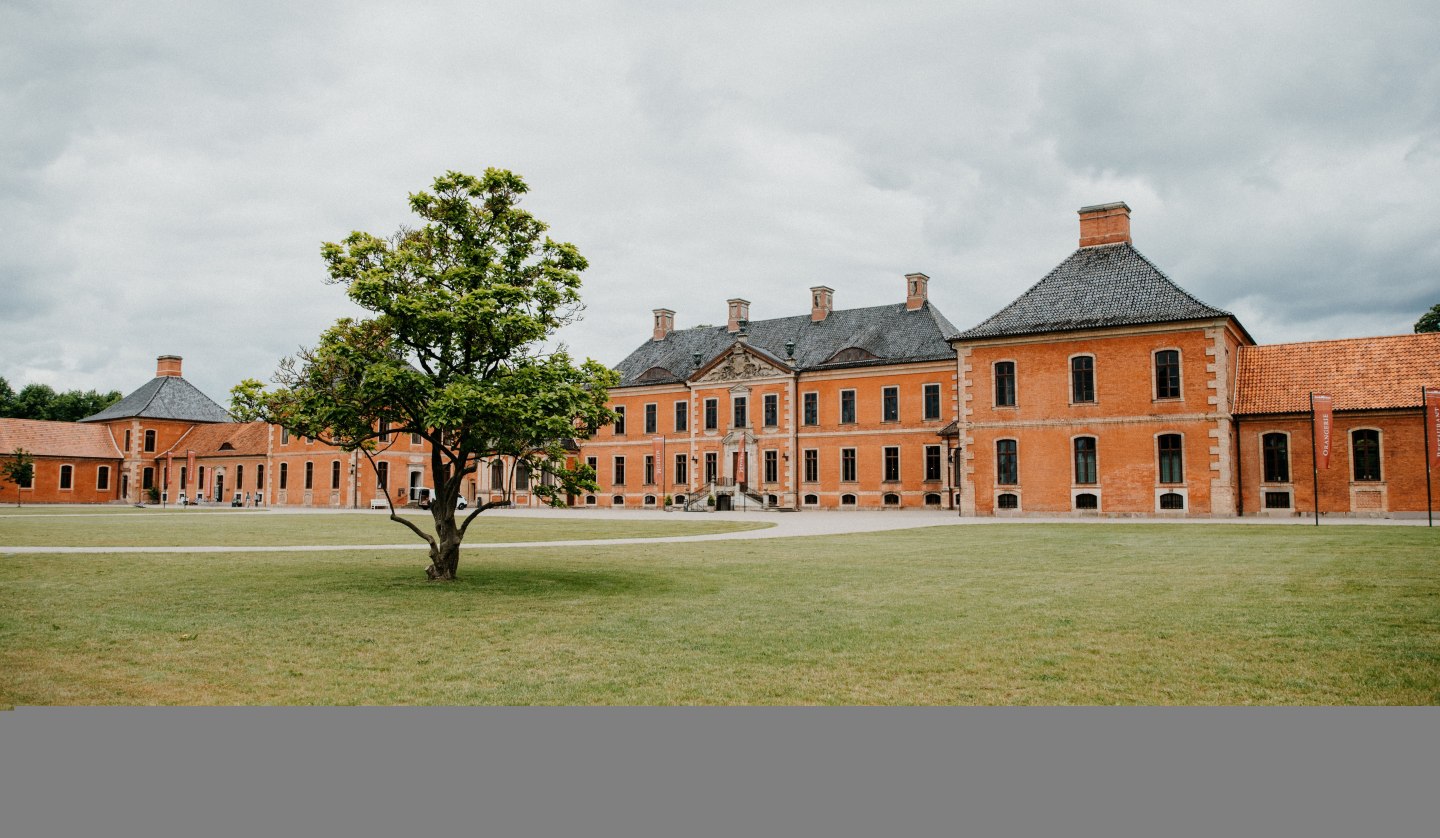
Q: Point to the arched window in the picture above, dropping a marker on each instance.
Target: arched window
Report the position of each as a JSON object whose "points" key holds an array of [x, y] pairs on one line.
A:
{"points": [[1008, 501], [67, 477], [1365, 453], [1276, 450], [1172, 458], [891, 499], [1167, 374], [1007, 462], [309, 475], [589, 500], [1085, 460], [618, 500], [812, 500], [284, 474], [1086, 500], [932, 498], [497, 476], [649, 500], [149, 440], [260, 476], [334, 475], [772, 500], [1172, 500], [847, 500], [522, 476]]}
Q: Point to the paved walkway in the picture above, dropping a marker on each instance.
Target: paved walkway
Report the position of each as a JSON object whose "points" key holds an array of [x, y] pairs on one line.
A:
{"points": [[785, 525]]}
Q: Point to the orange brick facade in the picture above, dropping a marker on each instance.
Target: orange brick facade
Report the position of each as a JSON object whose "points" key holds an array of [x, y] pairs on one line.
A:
{"points": [[1103, 390]]}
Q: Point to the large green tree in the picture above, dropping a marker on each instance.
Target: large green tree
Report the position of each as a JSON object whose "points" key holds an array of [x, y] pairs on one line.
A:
{"points": [[457, 348], [18, 468], [1429, 321], [40, 401]]}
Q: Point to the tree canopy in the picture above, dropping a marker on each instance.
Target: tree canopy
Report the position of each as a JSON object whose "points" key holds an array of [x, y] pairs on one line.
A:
{"points": [[457, 350], [1429, 321], [41, 401], [18, 468]]}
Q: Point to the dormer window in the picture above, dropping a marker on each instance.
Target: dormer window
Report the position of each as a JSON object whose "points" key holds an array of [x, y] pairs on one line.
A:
{"points": [[852, 354]]}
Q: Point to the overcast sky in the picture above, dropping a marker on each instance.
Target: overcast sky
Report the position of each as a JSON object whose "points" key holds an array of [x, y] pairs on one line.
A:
{"points": [[169, 171]]}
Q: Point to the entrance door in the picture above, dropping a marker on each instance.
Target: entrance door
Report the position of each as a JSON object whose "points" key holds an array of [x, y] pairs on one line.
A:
{"points": [[125, 487], [219, 485], [722, 503], [415, 478]]}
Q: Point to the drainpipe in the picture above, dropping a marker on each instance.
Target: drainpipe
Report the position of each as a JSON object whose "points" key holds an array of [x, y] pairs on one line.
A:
{"points": [[1239, 472]]}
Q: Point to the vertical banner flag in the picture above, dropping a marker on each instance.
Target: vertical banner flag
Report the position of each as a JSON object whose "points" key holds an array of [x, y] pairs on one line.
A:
{"points": [[189, 465], [740, 466], [1324, 409], [1432, 421], [660, 461], [169, 465]]}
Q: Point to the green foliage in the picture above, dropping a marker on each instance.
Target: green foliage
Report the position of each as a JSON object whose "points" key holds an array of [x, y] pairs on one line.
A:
{"points": [[455, 349], [18, 468], [41, 401], [247, 401], [1429, 321]]}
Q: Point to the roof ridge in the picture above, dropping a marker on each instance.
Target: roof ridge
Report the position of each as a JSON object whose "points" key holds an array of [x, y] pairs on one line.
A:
{"points": [[1402, 336]]}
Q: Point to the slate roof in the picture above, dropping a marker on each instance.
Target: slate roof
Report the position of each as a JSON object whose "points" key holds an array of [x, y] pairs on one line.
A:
{"points": [[1360, 373], [57, 439], [890, 333], [164, 397], [248, 439], [1108, 285]]}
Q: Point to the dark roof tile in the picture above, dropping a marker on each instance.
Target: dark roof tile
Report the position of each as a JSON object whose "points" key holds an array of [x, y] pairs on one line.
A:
{"points": [[164, 397]]}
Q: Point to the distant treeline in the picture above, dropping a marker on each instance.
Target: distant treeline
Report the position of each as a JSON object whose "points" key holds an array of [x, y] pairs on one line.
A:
{"points": [[40, 401]]}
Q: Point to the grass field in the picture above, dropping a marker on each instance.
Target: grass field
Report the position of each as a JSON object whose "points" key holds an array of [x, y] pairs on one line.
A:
{"points": [[1003, 614], [195, 528]]}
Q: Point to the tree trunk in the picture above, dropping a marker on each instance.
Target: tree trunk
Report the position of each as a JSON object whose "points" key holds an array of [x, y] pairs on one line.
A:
{"points": [[444, 561]]}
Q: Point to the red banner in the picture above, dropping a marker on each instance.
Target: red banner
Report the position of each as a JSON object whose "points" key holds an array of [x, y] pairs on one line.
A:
{"points": [[1432, 422], [1322, 409], [169, 465], [740, 466], [659, 461]]}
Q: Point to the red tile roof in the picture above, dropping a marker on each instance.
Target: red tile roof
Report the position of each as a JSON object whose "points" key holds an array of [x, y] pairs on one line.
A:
{"points": [[57, 439], [1361, 373], [210, 440]]}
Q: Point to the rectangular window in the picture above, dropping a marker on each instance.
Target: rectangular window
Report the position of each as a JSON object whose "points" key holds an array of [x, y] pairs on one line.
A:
{"points": [[200, 479], [1172, 458], [1277, 500], [1085, 460], [811, 408], [772, 410], [415, 439], [772, 466], [890, 404], [932, 401], [1082, 379], [738, 417], [334, 475], [619, 471], [384, 431], [1167, 374], [682, 466], [382, 476], [67, 476], [239, 477], [892, 463], [712, 414], [812, 465], [1007, 462], [652, 419], [847, 407], [147, 479], [847, 465], [1276, 449], [309, 475], [497, 474], [260, 476], [712, 463], [127, 440], [284, 474], [1365, 452], [102, 478], [149, 440], [932, 462], [682, 416], [649, 469], [284, 436], [619, 420], [594, 465], [522, 476], [1005, 384]]}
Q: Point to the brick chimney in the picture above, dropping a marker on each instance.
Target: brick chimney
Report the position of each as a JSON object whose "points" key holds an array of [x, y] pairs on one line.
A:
{"points": [[168, 365], [916, 291], [739, 310], [822, 302], [664, 323], [1104, 224]]}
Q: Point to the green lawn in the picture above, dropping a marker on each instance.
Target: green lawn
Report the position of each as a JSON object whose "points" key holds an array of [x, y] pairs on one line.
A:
{"points": [[195, 528], [1002, 614]]}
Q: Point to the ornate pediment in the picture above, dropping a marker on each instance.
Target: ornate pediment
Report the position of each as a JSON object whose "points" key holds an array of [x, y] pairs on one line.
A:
{"points": [[740, 365]]}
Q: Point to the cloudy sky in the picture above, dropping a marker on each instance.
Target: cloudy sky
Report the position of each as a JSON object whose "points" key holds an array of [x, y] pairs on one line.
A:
{"points": [[168, 171]]}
